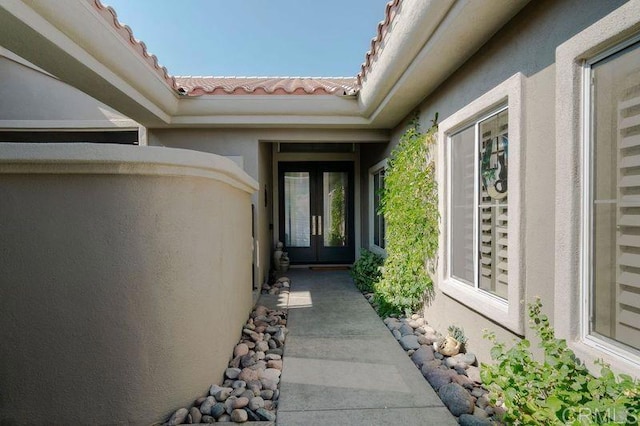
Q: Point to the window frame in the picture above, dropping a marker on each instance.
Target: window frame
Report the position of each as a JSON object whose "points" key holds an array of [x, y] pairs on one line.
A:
{"points": [[587, 255], [573, 181], [508, 312], [373, 170]]}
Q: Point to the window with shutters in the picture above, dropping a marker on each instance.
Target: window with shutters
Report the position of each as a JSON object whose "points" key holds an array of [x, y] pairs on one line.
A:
{"points": [[481, 190], [613, 202], [597, 191], [376, 219], [478, 203]]}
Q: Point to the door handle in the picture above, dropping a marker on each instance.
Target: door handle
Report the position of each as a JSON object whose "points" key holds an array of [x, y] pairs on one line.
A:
{"points": [[313, 225], [319, 225]]}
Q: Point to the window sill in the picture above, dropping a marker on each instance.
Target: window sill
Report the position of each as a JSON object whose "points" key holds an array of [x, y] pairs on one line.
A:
{"points": [[486, 304], [591, 349]]}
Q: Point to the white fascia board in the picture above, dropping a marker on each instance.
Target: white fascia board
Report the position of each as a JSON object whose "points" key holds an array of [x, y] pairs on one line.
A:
{"points": [[103, 54], [256, 105], [255, 121], [447, 47], [412, 27]]}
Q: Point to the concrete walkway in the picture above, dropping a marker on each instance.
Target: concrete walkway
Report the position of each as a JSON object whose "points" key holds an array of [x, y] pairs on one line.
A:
{"points": [[341, 364]]}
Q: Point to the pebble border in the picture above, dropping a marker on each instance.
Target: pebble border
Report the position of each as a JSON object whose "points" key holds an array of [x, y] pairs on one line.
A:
{"points": [[456, 379], [250, 389], [251, 386]]}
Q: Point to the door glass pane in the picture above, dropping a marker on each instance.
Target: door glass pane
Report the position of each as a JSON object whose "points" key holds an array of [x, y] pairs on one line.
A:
{"points": [[492, 238], [334, 195], [615, 203], [297, 216], [462, 204]]}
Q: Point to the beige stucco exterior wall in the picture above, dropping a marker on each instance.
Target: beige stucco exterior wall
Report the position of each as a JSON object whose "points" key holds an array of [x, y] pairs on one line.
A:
{"points": [[255, 146], [130, 268], [231, 143], [526, 44], [31, 98]]}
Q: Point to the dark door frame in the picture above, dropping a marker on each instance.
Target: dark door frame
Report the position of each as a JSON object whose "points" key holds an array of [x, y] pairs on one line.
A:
{"points": [[317, 252]]}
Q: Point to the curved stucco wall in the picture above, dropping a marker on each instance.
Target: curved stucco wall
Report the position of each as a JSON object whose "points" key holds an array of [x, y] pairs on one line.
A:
{"points": [[126, 276]]}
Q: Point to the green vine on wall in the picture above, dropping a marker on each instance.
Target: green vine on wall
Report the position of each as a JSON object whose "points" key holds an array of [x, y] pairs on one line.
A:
{"points": [[409, 203]]}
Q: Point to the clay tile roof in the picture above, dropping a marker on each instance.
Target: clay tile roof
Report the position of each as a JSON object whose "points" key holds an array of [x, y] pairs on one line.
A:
{"points": [[383, 26], [196, 86], [125, 32]]}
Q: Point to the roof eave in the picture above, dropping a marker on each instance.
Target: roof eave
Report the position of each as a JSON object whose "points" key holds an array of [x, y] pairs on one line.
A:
{"points": [[71, 40], [270, 110], [424, 43], [436, 39]]}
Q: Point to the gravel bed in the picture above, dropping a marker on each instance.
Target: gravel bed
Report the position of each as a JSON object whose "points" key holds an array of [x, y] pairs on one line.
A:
{"points": [[250, 390], [455, 378]]}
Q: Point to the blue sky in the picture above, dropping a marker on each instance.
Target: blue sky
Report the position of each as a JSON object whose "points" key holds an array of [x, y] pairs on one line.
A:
{"points": [[255, 37]]}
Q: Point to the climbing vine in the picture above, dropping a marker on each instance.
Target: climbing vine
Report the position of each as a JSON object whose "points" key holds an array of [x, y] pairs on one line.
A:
{"points": [[409, 203]]}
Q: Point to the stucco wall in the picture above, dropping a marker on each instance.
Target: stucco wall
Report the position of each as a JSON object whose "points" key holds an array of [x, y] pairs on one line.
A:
{"points": [[30, 98], [125, 280], [256, 147], [230, 144], [526, 44]]}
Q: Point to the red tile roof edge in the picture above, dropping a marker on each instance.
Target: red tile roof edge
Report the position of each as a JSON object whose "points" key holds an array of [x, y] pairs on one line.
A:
{"points": [[126, 33], [108, 13], [199, 91], [390, 13], [213, 85]]}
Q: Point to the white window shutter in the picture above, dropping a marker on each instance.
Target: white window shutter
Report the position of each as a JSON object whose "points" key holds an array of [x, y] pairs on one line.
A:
{"points": [[628, 230]]}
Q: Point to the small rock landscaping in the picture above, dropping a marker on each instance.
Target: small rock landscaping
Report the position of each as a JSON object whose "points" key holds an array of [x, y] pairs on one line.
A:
{"points": [[250, 388], [453, 373]]}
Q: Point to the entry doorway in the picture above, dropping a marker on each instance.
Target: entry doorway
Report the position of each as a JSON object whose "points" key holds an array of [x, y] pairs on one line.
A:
{"points": [[316, 211]]}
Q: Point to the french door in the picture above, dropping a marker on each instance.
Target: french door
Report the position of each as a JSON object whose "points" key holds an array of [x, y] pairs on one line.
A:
{"points": [[316, 211]]}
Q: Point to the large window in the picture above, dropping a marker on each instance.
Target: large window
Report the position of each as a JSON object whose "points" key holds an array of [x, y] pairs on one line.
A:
{"points": [[480, 188], [478, 204], [597, 192], [613, 201], [376, 219]]}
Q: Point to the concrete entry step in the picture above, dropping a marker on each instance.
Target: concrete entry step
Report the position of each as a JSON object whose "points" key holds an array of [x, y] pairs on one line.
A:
{"points": [[341, 364]]}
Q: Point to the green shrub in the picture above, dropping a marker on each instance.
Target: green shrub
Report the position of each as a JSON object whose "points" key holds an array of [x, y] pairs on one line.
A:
{"points": [[366, 270], [560, 390], [409, 203]]}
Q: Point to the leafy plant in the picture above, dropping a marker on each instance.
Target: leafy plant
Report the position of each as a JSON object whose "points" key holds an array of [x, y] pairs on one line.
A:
{"points": [[560, 390], [457, 333], [366, 270], [409, 203]]}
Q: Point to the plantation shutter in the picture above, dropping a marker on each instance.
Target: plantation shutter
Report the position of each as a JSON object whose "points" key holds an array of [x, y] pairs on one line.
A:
{"points": [[493, 222], [627, 298]]}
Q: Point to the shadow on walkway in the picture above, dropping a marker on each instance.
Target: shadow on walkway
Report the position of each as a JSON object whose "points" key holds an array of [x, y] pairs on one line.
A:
{"points": [[342, 366]]}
